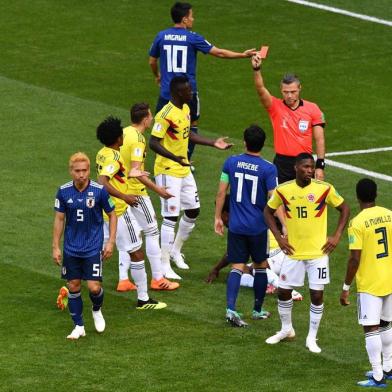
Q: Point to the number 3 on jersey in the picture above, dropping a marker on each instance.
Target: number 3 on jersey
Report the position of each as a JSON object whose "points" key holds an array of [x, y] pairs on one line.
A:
{"points": [[176, 56]]}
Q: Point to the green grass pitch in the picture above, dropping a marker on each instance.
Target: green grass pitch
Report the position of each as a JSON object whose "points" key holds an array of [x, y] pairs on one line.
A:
{"points": [[64, 66]]}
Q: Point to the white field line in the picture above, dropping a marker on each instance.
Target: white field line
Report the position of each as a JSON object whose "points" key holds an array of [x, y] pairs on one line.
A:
{"points": [[358, 170], [355, 152], [342, 12]]}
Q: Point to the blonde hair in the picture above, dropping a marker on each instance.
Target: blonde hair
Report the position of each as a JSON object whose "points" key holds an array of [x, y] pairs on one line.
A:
{"points": [[78, 157]]}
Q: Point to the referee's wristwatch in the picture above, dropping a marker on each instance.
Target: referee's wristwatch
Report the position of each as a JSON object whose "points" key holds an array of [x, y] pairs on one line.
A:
{"points": [[320, 163]]}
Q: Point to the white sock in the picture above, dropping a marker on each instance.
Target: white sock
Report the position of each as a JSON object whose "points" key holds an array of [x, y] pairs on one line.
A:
{"points": [[185, 228], [139, 276], [272, 278], [386, 339], [153, 252], [284, 309], [167, 235], [373, 348], [316, 313], [124, 262]]}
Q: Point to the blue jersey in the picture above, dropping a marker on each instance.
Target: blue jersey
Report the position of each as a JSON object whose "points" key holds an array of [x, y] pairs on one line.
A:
{"points": [[83, 235], [177, 49], [250, 178]]}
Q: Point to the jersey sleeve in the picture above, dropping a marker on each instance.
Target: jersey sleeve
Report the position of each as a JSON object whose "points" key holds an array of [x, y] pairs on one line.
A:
{"points": [[160, 127], [109, 169], [354, 236], [106, 201], [274, 105], [137, 152], [59, 204], [155, 48], [200, 43], [333, 198], [225, 172], [275, 201], [272, 178], [317, 116]]}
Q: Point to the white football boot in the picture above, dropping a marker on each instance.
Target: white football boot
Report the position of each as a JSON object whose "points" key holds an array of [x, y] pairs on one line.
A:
{"points": [[77, 332], [99, 321]]}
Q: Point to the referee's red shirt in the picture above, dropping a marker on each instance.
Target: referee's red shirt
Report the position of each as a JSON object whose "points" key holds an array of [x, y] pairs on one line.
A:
{"points": [[293, 128]]}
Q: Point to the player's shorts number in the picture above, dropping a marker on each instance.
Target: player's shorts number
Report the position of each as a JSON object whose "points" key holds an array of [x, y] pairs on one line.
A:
{"points": [[97, 270], [176, 56], [241, 177], [382, 241], [322, 273], [79, 216]]}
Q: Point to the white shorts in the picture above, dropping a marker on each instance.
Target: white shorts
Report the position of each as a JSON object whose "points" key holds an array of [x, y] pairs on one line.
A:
{"points": [[292, 273], [372, 309], [144, 214], [186, 196], [129, 237], [275, 260]]}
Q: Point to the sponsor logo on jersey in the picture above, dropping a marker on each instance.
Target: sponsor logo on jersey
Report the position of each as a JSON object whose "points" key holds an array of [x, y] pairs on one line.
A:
{"points": [[69, 201], [303, 125], [311, 197], [90, 202]]}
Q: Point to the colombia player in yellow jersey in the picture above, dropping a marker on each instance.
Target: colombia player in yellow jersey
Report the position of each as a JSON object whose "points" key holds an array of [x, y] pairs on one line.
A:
{"points": [[112, 175], [307, 246], [370, 262], [133, 152], [169, 139]]}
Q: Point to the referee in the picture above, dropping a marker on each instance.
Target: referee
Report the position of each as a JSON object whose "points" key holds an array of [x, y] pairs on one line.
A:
{"points": [[295, 123]]}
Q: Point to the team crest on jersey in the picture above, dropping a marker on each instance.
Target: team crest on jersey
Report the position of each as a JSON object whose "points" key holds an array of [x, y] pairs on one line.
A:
{"points": [[303, 125], [90, 202], [311, 197]]}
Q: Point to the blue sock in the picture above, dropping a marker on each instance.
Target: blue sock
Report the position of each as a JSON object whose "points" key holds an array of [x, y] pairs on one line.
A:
{"points": [[259, 287], [75, 305], [97, 300], [233, 286]]}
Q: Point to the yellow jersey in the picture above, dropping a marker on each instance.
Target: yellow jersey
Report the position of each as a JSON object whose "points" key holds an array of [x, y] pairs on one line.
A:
{"points": [[134, 149], [172, 126], [306, 215], [371, 232], [109, 163], [273, 244]]}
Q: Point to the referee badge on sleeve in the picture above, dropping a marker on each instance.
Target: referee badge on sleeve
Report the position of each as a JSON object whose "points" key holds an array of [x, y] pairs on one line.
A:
{"points": [[90, 202]]}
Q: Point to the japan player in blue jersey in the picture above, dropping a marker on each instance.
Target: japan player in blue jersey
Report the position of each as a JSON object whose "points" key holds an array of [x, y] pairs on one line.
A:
{"points": [[176, 48], [251, 180], [79, 207]]}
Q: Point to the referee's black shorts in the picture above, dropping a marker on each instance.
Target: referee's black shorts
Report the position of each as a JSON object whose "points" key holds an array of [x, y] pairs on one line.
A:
{"points": [[285, 165]]}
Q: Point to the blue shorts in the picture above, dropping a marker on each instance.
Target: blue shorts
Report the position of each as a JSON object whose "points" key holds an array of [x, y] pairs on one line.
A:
{"points": [[194, 106], [86, 268], [240, 247]]}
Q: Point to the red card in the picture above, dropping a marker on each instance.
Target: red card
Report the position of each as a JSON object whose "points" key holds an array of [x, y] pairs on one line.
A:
{"points": [[264, 52]]}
